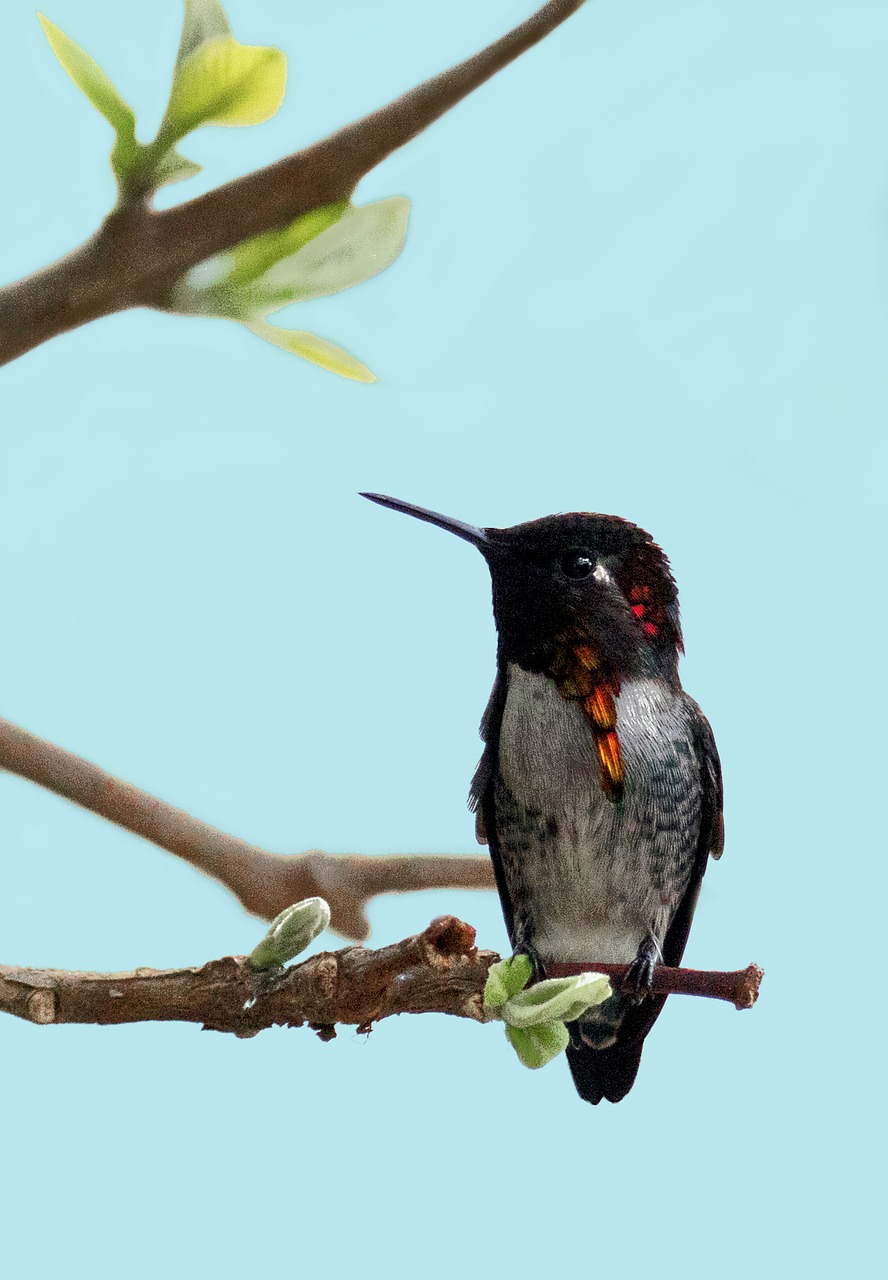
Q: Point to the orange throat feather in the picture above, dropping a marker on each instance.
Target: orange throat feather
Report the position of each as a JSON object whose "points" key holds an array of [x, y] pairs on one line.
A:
{"points": [[578, 677]]}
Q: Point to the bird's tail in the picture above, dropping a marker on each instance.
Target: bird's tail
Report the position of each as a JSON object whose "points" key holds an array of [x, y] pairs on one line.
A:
{"points": [[604, 1073], [605, 1049], [599, 1025]]}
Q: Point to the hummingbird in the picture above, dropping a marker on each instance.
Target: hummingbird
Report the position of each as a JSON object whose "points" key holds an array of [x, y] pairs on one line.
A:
{"points": [[599, 791]]}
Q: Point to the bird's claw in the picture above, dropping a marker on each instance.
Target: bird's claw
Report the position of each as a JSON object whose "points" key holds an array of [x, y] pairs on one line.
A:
{"points": [[640, 975]]}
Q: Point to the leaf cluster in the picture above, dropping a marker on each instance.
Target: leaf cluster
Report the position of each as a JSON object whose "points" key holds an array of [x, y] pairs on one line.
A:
{"points": [[535, 1016], [219, 81]]}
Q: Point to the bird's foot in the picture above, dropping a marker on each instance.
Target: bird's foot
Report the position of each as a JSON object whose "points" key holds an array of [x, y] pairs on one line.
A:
{"points": [[640, 977]]}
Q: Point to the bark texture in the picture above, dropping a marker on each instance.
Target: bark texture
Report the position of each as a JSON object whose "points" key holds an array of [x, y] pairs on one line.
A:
{"points": [[437, 971]]}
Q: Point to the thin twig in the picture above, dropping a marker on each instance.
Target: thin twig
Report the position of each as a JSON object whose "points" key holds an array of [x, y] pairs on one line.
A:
{"points": [[740, 986], [437, 971], [138, 254], [264, 882]]}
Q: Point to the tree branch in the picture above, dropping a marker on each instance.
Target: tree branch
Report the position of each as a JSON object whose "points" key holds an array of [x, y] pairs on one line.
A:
{"points": [[264, 882], [740, 987], [437, 971], [138, 254]]}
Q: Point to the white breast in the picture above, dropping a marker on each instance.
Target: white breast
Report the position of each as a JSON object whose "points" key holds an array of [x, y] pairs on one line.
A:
{"points": [[605, 875]]}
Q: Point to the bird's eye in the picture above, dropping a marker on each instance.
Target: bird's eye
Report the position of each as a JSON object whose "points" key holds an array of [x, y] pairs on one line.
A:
{"points": [[577, 564]]}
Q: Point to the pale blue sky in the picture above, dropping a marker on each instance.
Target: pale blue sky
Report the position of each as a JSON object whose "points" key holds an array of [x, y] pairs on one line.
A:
{"points": [[646, 273]]}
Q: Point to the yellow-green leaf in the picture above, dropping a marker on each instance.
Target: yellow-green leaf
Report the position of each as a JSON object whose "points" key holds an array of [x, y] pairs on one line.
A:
{"points": [[92, 81], [204, 20], [227, 83], [310, 347], [173, 167], [252, 257], [363, 242]]}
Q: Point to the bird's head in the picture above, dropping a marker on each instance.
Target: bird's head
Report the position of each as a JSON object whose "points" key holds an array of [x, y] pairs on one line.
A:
{"points": [[575, 579]]}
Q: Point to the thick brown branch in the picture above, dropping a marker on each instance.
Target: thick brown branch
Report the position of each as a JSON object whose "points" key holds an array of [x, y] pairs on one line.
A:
{"points": [[137, 255], [437, 971], [264, 882]]}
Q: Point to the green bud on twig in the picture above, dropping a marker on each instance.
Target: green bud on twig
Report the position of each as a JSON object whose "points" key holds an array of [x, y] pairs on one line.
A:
{"points": [[561, 999], [535, 1017], [290, 933], [536, 1046], [504, 979]]}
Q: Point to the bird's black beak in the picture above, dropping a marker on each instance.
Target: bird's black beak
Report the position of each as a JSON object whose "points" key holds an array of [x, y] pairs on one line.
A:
{"points": [[477, 537]]}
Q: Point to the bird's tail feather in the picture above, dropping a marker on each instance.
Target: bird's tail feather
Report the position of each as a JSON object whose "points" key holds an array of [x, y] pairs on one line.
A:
{"points": [[606, 1046], [604, 1073]]}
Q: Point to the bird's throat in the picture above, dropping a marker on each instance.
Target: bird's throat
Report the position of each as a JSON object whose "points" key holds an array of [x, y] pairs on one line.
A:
{"points": [[579, 677]]}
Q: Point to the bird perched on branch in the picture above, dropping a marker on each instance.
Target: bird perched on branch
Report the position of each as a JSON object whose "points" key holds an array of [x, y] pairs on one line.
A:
{"points": [[599, 790]]}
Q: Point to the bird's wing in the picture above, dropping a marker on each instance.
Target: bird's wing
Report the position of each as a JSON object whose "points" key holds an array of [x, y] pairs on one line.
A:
{"points": [[481, 798], [711, 841], [610, 1072]]}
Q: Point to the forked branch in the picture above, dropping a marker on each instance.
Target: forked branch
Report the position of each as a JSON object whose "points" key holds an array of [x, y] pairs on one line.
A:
{"points": [[138, 254], [264, 882]]}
